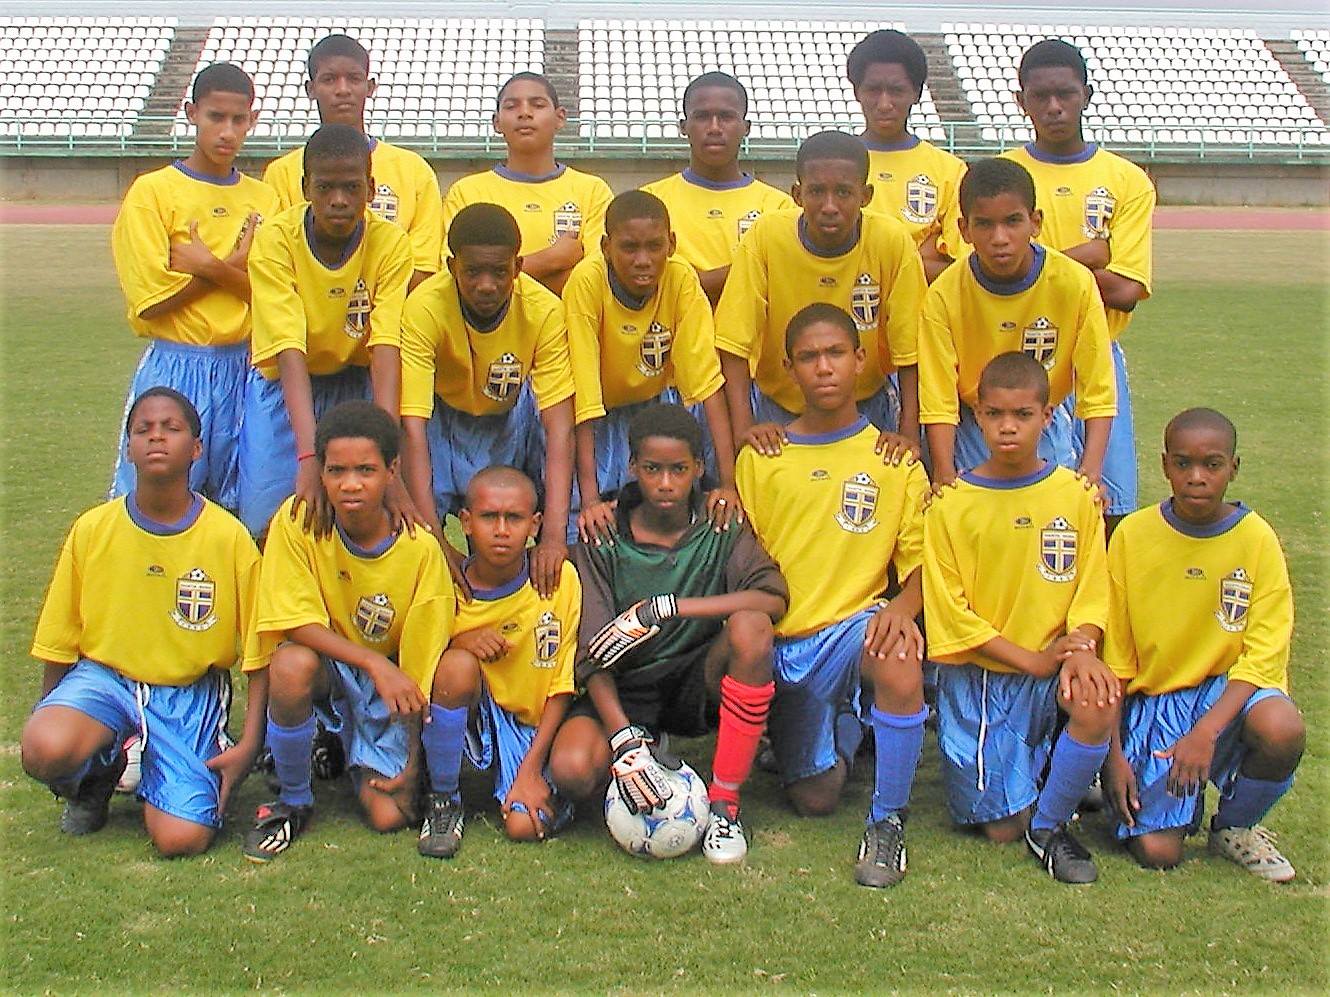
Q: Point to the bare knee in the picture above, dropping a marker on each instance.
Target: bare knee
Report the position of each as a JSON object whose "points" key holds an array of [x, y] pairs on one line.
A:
{"points": [[579, 764], [1277, 735], [520, 826], [1162, 850], [292, 674], [1005, 831], [175, 837], [49, 751], [382, 813], [751, 636], [819, 795], [456, 680], [1088, 723]]}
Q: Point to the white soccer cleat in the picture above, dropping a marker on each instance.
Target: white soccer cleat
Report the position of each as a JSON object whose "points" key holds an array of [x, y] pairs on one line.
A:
{"points": [[723, 842], [129, 780], [1254, 849]]}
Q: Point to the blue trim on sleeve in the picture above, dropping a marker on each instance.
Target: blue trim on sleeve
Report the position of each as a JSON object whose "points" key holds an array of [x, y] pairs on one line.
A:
{"points": [[1009, 287], [621, 294], [835, 436], [1215, 529], [503, 171], [830, 254], [230, 180], [143, 522], [904, 145], [479, 324], [1084, 156], [1007, 483], [352, 243], [367, 553], [506, 589], [745, 180]]}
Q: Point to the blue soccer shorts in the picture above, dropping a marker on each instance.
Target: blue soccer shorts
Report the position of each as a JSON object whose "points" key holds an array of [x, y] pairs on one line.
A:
{"points": [[497, 741], [213, 378], [1155, 723], [180, 727], [882, 408], [1120, 477], [373, 740], [995, 732]]}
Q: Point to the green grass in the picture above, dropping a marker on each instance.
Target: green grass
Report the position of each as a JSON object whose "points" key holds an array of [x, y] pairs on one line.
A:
{"points": [[350, 910]]}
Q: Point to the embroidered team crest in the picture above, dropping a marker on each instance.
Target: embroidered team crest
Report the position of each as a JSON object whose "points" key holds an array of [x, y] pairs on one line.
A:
{"points": [[655, 350], [858, 504], [865, 300], [920, 200], [384, 203], [1057, 551], [1040, 341], [746, 221], [357, 311], [505, 376], [1234, 601], [567, 220], [549, 635], [374, 616], [1099, 208], [195, 601]]}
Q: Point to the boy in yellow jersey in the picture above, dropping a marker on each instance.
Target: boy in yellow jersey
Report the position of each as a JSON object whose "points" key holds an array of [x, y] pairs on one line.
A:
{"points": [[829, 250], [1016, 595], [406, 190], [146, 614], [181, 242], [349, 628], [640, 332], [560, 211], [1201, 614], [836, 519], [913, 181], [1097, 209], [486, 380], [1011, 294], [713, 202], [329, 280], [505, 682]]}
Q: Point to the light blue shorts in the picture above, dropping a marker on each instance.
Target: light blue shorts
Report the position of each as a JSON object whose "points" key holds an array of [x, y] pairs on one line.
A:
{"points": [[1120, 476], [882, 409], [1057, 443], [1154, 723], [213, 378], [497, 741], [268, 445], [181, 727], [995, 731], [815, 713], [373, 741]]}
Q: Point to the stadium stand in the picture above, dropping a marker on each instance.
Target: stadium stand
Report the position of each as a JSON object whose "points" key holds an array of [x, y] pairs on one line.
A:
{"points": [[1153, 85], [1315, 46], [78, 76]]}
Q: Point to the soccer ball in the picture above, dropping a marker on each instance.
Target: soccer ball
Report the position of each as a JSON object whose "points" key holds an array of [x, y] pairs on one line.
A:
{"points": [[665, 833]]}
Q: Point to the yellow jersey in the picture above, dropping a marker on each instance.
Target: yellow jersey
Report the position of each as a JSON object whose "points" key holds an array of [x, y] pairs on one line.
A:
{"points": [[1020, 558], [406, 193], [832, 515], [158, 603], [1096, 195], [710, 218], [333, 315], [1053, 314], [625, 351], [566, 201], [396, 599], [480, 369], [919, 185], [541, 636], [1188, 602], [157, 212], [877, 279]]}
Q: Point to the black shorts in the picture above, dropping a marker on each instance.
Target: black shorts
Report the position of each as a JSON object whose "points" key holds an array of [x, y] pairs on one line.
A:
{"points": [[678, 702]]}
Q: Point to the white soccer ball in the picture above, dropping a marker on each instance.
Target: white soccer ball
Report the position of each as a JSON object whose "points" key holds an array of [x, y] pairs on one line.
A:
{"points": [[668, 832]]}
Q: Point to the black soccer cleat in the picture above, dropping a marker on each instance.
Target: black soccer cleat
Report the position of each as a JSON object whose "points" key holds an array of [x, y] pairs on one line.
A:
{"points": [[1062, 856], [276, 827], [87, 810], [441, 830], [881, 859], [328, 760]]}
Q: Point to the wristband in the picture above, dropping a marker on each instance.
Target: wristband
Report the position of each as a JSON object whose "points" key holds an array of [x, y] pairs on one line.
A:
{"points": [[305, 456]]}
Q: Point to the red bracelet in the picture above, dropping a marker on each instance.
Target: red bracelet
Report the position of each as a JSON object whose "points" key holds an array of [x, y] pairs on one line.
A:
{"points": [[305, 456]]}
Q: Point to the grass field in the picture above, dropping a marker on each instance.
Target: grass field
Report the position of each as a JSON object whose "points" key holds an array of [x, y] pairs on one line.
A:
{"points": [[1238, 321]]}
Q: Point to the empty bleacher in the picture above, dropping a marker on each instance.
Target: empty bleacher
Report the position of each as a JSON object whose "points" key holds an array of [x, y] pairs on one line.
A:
{"points": [[1315, 47]]}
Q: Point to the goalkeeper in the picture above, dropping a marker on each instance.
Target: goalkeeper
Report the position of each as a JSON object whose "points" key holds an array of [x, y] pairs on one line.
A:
{"points": [[676, 616]]}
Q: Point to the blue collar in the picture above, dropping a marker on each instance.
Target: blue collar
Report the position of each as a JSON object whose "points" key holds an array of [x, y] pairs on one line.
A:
{"points": [[835, 436], [904, 145], [373, 143], [1215, 529], [164, 529], [479, 324], [621, 294], [690, 177], [1024, 480], [830, 254], [503, 171], [369, 553], [352, 243], [507, 588], [230, 180], [1009, 287], [1084, 156]]}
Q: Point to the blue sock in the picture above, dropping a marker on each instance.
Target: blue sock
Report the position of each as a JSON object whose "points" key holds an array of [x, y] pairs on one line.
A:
{"points": [[1249, 801], [443, 738], [1069, 777], [292, 753], [897, 739]]}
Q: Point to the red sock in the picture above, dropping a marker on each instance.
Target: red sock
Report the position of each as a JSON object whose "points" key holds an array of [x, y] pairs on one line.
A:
{"points": [[743, 717]]}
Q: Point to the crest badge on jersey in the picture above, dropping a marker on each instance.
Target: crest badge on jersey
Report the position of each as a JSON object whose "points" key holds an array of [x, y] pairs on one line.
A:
{"points": [[920, 200], [503, 378], [374, 616], [1099, 207], [1039, 341], [746, 221], [384, 203], [858, 504], [567, 220], [865, 300], [1057, 551], [357, 311], [195, 601], [1235, 590], [549, 635], [655, 350]]}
